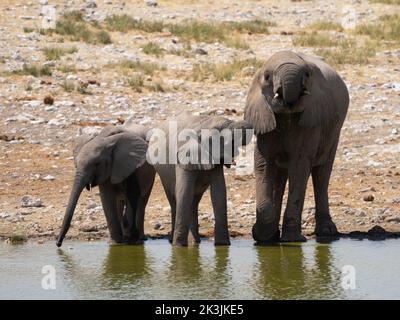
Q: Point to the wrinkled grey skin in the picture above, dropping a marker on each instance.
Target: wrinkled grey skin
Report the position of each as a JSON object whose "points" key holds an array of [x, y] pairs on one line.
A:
{"points": [[297, 135], [114, 160], [185, 184]]}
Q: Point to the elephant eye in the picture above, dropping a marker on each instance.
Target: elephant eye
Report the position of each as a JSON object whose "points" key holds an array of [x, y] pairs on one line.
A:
{"points": [[268, 78]]}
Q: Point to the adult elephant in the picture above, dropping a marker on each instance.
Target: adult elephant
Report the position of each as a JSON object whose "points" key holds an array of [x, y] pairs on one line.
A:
{"points": [[114, 160], [297, 105], [197, 147]]}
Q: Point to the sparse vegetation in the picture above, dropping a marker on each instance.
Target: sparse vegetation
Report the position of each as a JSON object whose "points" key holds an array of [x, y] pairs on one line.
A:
{"points": [[156, 86], [72, 25], [67, 68], [148, 68], [315, 39], [223, 71], [237, 43], [250, 26], [326, 25], [349, 53], [68, 86], [55, 53], [386, 29], [152, 48], [125, 23], [193, 30], [103, 37], [136, 82], [28, 29], [16, 238], [34, 70]]}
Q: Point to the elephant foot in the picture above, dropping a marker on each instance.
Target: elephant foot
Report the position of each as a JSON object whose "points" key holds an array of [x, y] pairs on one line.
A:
{"points": [[113, 242], [143, 237], [265, 233], [179, 244], [291, 234], [326, 229], [180, 241], [132, 240], [222, 243]]}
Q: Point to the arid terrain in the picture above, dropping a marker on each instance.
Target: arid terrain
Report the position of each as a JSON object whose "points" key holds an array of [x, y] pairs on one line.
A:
{"points": [[109, 60]]}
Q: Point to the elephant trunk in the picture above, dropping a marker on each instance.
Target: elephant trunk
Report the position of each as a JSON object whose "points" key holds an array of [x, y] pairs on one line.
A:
{"points": [[77, 187], [290, 76]]}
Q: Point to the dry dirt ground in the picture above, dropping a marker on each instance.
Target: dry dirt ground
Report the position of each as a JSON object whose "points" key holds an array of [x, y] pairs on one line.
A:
{"points": [[36, 139]]}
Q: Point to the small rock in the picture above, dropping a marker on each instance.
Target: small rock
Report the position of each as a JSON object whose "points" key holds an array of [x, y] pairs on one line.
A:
{"points": [[151, 3], [88, 228], [368, 198], [31, 202], [200, 51], [48, 100], [48, 178], [157, 226]]}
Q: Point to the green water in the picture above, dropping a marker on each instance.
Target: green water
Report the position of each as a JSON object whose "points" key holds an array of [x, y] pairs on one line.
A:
{"points": [[242, 271]]}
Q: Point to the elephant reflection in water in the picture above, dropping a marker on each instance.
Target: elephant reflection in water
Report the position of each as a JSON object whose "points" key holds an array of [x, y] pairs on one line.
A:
{"points": [[289, 271], [208, 274], [126, 266]]}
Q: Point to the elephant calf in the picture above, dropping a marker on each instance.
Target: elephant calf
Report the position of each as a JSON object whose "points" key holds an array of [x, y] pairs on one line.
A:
{"points": [[297, 105], [185, 179], [114, 160]]}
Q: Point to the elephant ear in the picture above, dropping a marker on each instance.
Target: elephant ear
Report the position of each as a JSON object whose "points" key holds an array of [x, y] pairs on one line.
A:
{"points": [[80, 142], [128, 154], [257, 111], [319, 103]]}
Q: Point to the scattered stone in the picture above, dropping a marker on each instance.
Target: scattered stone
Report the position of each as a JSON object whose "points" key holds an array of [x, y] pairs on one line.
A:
{"points": [[396, 200], [200, 51], [369, 198], [88, 228], [151, 3], [157, 226], [31, 202], [4, 215], [249, 71], [48, 178], [49, 100]]}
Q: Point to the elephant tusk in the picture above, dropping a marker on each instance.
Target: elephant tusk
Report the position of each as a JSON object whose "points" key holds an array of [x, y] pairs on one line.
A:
{"points": [[276, 95], [306, 93]]}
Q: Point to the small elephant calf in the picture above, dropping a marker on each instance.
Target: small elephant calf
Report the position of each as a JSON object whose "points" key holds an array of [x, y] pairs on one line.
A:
{"points": [[114, 160], [185, 182]]}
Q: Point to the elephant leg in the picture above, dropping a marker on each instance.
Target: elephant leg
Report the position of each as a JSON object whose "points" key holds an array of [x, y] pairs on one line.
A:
{"points": [[218, 199], [142, 202], [266, 228], [108, 197], [194, 225], [172, 204], [185, 182], [324, 226], [298, 173], [132, 194]]}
